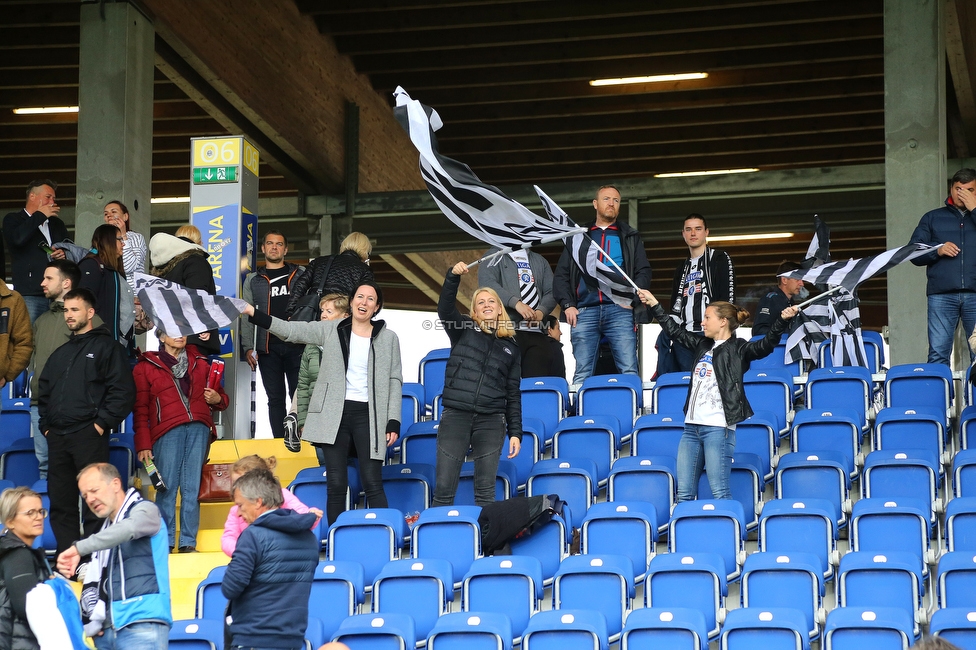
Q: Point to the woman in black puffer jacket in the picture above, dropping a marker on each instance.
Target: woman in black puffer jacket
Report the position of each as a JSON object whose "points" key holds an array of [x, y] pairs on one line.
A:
{"points": [[21, 567], [348, 271], [481, 391]]}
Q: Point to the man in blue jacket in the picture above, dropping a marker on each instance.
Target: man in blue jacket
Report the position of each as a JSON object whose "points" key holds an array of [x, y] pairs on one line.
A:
{"points": [[951, 268], [269, 578]]}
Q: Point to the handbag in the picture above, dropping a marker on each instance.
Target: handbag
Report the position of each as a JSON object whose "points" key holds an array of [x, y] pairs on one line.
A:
{"points": [[307, 308], [215, 483]]}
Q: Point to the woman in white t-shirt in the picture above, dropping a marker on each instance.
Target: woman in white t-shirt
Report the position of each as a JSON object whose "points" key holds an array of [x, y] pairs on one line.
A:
{"points": [[716, 397]]}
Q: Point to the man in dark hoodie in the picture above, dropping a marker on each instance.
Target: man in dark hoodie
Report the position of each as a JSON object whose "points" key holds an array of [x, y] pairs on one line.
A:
{"points": [[269, 578], [85, 390]]}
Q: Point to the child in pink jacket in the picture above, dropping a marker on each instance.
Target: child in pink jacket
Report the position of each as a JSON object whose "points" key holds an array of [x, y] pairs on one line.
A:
{"points": [[235, 524]]}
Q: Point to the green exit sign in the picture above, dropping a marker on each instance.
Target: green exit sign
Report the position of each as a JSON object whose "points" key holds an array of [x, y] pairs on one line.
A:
{"points": [[214, 175]]}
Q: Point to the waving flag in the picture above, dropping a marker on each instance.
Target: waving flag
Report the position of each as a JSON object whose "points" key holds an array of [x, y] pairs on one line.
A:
{"points": [[485, 212], [180, 311], [851, 273], [819, 250]]}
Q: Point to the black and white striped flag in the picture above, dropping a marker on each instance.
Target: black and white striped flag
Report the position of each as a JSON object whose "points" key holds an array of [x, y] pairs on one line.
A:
{"points": [[485, 212], [846, 342], [808, 330], [819, 250], [180, 311], [851, 273]]}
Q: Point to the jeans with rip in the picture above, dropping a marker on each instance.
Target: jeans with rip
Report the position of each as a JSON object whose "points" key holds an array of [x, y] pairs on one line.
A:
{"points": [[179, 456], [614, 322], [706, 447], [945, 311], [484, 434]]}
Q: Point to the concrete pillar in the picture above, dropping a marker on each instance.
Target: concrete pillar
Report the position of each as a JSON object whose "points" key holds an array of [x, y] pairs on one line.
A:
{"points": [[915, 158], [115, 99]]}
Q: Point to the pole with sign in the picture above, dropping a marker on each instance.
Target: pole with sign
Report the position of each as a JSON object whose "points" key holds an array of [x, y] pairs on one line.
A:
{"points": [[224, 206]]}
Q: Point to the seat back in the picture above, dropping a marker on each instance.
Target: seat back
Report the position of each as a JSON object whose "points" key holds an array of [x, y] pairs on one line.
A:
{"points": [[18, 463], [196, 634], [964, 473], [448, 533], [670, 392], [709, 526], [388, 631], [419, 444], [747, 485], [657, 435], [546, 398], [759, 436], [919, 385], [688, 580], [465, 631], [645, 478], [956, 581], [511, 585], [370, 537], [573, 479], [211, 603], [878, 628], [595, 437], [412, 406], [957, 626], [770, 628], [960, 523], [596, 582], [896, 475], [846, 388], [818, 430], [628, 528], [533, 446], [566, 630], [420, 588], [889, 525], [337, 592], [620, 396], [677, 628], [792, 580], [903, 429], [431, 373], [771, 390], [820, 475], [806, 526], [881, 580]]}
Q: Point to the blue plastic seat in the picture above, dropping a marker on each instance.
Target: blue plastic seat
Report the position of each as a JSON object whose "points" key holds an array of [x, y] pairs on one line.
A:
{"points": [[419, 443], [901, 428], [471, 631], [388, 631], [964, 473], [967, 425], [18, 462], [688, 580], [882, 580], [920, 385], [420, 588], [837, 431], [413, 406], [960, 524], [759, 436], [771, 390], [596, 437], [957, 626], [549, 544], [821, 475], [546, 398], [627, 528], [657, 435], [511, 585], [791, 580], [710, 526], [573, 479], [675, 628], [670, 393], [533, 446], [450, 533], [338, 592], [847, 388], [620, 396], [15, 421], [602, 583], [877, 628], [769, 628], [211, 603], [409, 487], [896, 475], [776, 359], [506, 482], [431, 373], [888, 525], [370, 537], [955, 580], [197, 634], [873, 353], [746, 482], [566, 630], [806, 526], [645, 478]]}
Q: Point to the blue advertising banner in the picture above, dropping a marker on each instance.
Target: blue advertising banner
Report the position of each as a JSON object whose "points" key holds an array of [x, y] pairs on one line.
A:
{"points": [[218, 227]]}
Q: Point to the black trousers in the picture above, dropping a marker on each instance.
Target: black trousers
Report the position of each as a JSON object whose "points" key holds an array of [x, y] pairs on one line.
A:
{"points": [[281, 362], [68, 454], [353, 434]]}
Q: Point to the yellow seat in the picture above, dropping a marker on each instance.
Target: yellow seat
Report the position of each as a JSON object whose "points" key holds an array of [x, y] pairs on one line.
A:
{"points": [[186, 570]]}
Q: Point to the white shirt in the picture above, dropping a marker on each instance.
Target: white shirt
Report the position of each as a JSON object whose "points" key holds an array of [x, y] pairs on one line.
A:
{"points": [[705, 406], [357, 374]]}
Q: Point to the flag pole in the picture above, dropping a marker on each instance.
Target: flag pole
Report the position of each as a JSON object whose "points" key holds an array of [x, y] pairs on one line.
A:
{"points": [[819, 296], [615, 265], [544, 240]]}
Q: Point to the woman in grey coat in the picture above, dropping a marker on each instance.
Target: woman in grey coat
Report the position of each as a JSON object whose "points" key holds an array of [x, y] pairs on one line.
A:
{"points": [[357, 397]]}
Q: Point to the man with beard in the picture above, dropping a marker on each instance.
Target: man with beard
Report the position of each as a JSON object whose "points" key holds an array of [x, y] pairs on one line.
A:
{"points": [[85, 390], [268, 289]]}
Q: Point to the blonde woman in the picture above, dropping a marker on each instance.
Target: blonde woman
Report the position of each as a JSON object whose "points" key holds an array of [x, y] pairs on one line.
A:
{"points": [[481, 391], [21, 566]]}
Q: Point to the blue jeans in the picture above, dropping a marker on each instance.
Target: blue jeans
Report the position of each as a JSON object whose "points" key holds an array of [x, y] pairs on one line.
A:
{"points": [[703, 446], [36, 305], [484, 434], [945, 310], [617, 323], [40, 442], [137, 636], [179, 456]]}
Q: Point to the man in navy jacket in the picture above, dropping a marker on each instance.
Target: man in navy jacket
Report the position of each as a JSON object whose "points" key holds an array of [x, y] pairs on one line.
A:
{"points": [[951, 268], [269, 578]]}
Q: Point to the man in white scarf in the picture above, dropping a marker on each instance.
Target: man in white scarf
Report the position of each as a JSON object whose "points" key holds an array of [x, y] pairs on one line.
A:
{"points": [[125, 601]]}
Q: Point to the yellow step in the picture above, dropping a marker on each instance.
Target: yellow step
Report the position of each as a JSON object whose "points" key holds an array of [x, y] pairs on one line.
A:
{"points": [[186, 570], [289, 464], [208, 539]]}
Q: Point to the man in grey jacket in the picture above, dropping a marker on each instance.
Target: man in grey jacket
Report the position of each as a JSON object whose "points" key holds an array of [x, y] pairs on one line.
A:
{"points": [[523, 280]]}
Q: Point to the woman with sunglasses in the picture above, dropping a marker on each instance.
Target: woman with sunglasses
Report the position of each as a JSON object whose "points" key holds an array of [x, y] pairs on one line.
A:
{"points": [[21, 566]]}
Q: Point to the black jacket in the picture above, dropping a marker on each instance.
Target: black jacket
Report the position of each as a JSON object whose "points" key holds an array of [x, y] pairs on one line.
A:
{"points": [[768, 310], [567, 277], [27, 259], [719, 278], [730, 362], [21, 568], [86, 381], [345, 274], [484, 371], [542, 355], [192, 270]]}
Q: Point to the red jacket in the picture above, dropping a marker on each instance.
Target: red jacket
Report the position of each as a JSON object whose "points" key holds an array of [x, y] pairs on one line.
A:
{"points": [[159, 406]]}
